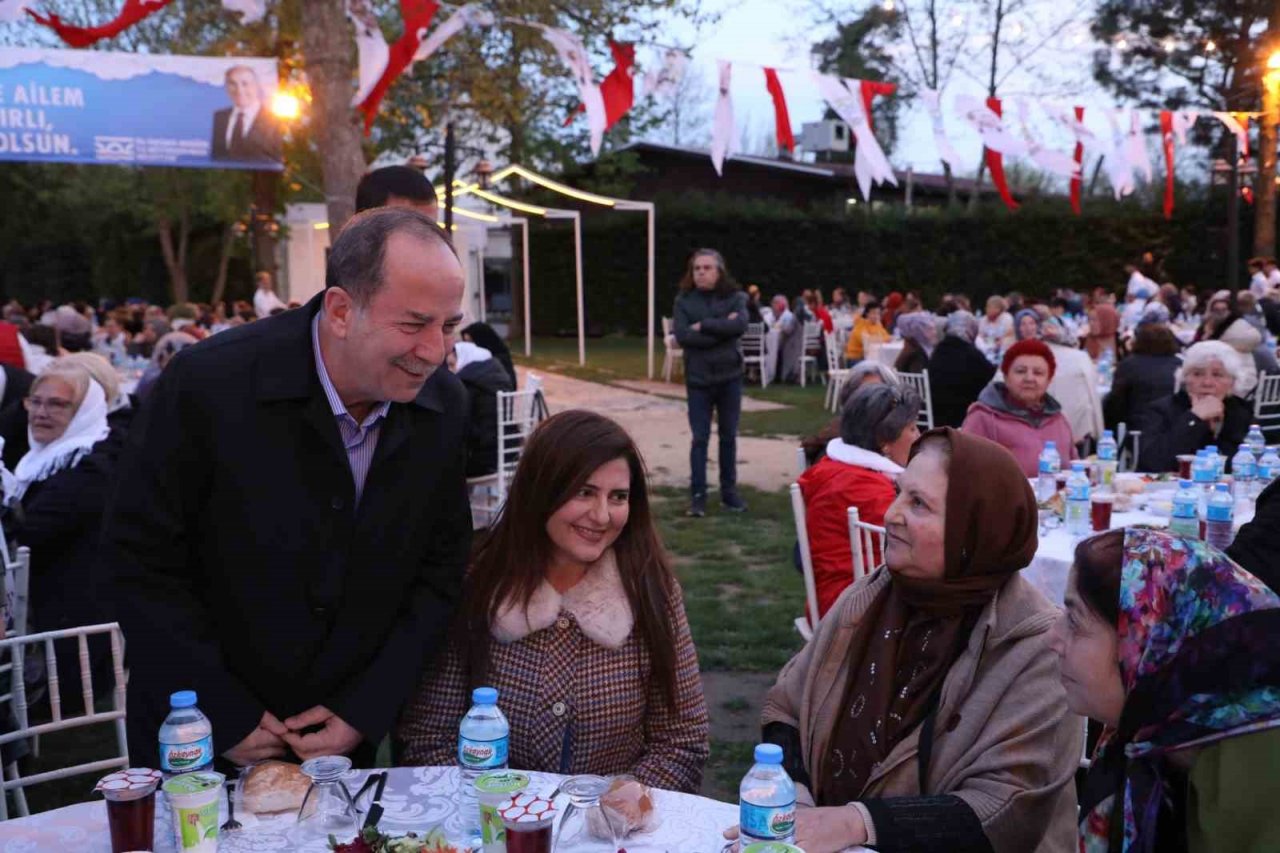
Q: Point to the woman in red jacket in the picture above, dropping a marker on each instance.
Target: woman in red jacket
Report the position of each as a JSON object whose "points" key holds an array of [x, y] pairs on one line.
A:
{"points": [[877, 429]]}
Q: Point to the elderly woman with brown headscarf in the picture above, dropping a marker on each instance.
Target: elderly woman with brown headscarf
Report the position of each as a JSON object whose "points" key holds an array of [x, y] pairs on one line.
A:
{"points": [[926, 714]]}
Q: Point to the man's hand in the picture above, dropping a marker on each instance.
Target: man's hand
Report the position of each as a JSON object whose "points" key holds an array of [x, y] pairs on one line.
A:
{"points": [[266, 741], [1208, 409], [733, 315], [334, 738], [697, 327]]}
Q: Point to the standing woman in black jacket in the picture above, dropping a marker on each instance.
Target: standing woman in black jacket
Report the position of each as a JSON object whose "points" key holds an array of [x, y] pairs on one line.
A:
{"points": [[710, 317]]}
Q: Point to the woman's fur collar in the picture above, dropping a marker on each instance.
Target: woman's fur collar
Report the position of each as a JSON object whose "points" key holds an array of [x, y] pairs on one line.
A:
{"points": [[598, 603]]}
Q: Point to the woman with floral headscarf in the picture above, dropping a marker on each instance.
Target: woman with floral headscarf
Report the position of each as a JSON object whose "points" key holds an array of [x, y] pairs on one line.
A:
{"points": [[1171, 646]]}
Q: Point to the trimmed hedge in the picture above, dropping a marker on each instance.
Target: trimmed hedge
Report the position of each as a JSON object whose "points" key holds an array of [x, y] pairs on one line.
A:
{"points": [[1032, 250]]}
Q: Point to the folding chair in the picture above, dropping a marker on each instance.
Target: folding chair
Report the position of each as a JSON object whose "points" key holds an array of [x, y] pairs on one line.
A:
{"points": [[1266, 406], [17, 648], [753, 351], [519, 412], [920, 382], [836, 374], [807, 623], [863, 539], [674, 356], [812, 346]]}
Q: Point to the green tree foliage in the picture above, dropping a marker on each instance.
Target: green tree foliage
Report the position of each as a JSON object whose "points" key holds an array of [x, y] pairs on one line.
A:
{"points": [[1171, 54]]}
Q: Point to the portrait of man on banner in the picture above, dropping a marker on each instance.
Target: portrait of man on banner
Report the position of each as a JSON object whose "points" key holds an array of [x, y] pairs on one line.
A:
{"points": [[247, 131]]}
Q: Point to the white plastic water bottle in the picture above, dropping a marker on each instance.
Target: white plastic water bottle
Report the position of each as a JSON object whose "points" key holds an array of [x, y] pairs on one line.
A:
{"points": [[484, 740], [767, 799], [1078, 522], [1268, 468], [1256, 441], [1108, 452], [1218, 530], [186, 737], [1243, 469], [1186, 511], [1219, 461], [1049, 466], [1204, 475]]}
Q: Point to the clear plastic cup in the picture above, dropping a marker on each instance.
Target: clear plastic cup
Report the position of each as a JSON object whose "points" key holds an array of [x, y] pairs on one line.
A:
{"points": [[193, 798], [131, 808], [492, 790]]}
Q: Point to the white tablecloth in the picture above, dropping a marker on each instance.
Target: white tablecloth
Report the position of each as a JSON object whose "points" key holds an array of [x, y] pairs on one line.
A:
{"points": [[1048, 571], [415, 799], [888, 352], [771, 338]]}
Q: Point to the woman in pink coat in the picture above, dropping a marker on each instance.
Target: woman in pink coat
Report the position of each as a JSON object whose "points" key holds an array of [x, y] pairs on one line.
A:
{"points": [[1019, 414]]}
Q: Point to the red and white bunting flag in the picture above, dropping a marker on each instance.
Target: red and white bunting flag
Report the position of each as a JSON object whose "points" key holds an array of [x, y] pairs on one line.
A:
{"points": [[781, 116], [870, 89], [870, 166], [372, 51], [571, 52], [470, 15], [990, 125], [416, 15], [251, 11], [664, 80], [722, 131], [1119, 169], [132, 12], [618, 87], [946, 151], [1166, 139], [1136, 146], [1052, 161], [1233, 123], [1077, 178]]}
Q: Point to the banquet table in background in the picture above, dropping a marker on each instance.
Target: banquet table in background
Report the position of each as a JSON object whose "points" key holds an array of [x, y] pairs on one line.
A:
{"points": [[415, 799], [1052, 563]]}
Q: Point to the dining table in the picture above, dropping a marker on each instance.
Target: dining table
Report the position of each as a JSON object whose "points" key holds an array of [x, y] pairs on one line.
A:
{"points": [[414, 799], [1056, 550]]}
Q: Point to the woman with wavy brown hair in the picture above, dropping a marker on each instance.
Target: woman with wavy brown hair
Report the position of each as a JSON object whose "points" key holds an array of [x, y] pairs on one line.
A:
{"points": [[571, 610]]}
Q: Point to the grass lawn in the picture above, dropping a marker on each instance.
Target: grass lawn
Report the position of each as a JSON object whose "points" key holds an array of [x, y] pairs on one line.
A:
{"points": [[615, 357]]}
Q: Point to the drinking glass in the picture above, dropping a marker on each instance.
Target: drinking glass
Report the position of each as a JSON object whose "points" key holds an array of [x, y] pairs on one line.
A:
{"points": [[585, 822], [327, 809]]}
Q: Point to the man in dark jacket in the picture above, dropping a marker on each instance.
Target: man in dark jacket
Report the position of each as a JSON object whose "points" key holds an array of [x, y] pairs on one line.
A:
{"points": [[290, 526], [710, 317], [483, 376], [13, 417], [958, 371]]}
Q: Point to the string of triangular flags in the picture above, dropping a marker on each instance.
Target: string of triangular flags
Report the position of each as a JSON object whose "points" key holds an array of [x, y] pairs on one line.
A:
{"points": [[380, 64]]}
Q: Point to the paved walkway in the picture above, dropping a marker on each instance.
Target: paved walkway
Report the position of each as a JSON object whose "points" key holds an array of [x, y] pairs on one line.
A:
{"points": [[660, 427]]}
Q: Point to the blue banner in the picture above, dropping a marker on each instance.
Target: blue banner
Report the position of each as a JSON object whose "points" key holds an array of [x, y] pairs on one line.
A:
{"points": [[91, 106]]}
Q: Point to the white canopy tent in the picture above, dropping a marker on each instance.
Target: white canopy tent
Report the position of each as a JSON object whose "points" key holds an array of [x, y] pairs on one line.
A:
{"points": [[546, 213], [647, 207]]}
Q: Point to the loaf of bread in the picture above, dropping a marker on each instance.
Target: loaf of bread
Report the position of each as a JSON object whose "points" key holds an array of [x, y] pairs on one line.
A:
{"points": [[273, 786]]}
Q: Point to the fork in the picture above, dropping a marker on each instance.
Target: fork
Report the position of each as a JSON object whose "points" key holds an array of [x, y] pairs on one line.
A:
{"points": [[232, 825]]}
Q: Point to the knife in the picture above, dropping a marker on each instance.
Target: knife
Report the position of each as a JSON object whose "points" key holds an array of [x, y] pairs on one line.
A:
{"points": [[375, 807]]}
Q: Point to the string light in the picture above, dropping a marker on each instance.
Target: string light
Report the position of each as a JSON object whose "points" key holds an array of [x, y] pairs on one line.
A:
{"points": [[1210, 46], [1078, 38], [887, 5], [957, 20], [1169, 45], [1122, 43], [1017, 30]]}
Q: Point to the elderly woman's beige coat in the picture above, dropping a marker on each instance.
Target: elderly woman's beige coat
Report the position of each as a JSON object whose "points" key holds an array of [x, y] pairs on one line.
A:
{"points": [[1004, 741]]}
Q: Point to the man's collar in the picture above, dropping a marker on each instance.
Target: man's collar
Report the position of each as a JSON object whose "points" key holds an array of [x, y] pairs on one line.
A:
{"points": [[330, 392]]}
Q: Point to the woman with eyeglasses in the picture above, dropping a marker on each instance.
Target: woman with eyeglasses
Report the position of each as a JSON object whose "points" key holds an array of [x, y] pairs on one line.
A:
{"points": [[53, 503]]}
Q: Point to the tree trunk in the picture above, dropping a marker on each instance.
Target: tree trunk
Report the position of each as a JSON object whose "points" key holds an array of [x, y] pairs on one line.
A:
{"points": [[265, 185], [1264, 229], [174, 261], [328, 62], [224, 260]]}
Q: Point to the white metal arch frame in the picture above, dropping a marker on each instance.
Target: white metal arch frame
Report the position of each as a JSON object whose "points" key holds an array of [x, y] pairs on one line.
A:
{"points": [[647, 207], [532, 210]]}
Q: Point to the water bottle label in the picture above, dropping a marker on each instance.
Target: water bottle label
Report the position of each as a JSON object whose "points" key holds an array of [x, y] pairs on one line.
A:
{"points": [[482, 754], [1078, 493], [770, 823], [1185, 510], [1244, 471], [1218, 513], [1047, 466], [184, 757], [1106, 453]]}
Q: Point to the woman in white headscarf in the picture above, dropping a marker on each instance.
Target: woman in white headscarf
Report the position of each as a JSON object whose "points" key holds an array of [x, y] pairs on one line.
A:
{"points": [[54, 500]]}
